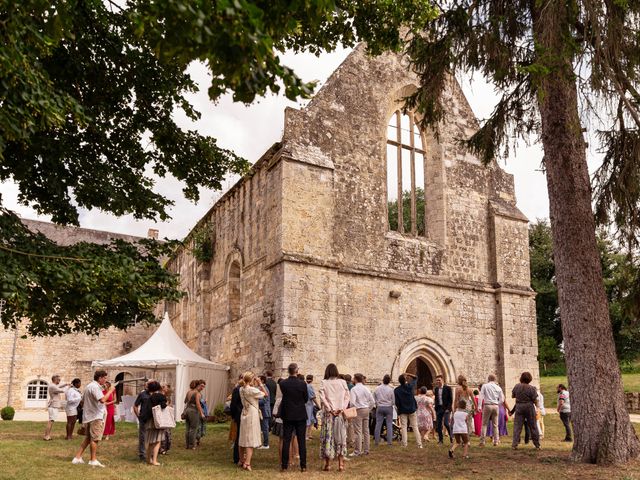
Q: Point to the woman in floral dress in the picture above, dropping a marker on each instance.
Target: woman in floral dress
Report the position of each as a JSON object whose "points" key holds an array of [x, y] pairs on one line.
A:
{"points": [[425, 413], [334, 397]]}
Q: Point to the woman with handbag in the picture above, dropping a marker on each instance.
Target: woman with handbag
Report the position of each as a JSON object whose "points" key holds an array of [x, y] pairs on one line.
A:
{"points": [[251, 391], [153, 435], [334, 398]]}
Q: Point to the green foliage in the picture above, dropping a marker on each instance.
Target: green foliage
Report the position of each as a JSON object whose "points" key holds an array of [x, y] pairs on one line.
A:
{"points": [[392, 212], [543, 281], [240, 40], [621, 274], [115, 125], [80, 288], [89, 89], [218, 414], [202, 239], [599, 56], [7, 413]]}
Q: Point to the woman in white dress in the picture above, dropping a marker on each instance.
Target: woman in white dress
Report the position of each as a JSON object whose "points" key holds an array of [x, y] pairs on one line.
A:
{"points": [[250, 435]]}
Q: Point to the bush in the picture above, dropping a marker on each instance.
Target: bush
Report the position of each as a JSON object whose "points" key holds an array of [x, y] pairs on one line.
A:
{"points": [[7, 413], [218, 414]]}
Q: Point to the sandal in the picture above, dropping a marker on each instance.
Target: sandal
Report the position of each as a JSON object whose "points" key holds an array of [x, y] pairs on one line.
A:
{"points": [[246, 467]]}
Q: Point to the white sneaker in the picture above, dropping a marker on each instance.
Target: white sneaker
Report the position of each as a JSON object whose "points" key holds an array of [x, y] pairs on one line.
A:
{"points": [[265, 447], [77, 461], [95, 463]]}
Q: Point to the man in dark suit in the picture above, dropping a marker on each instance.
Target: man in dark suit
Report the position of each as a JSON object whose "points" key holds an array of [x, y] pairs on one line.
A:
{"points": [[236, 413], [443, 403], [294, 415]]}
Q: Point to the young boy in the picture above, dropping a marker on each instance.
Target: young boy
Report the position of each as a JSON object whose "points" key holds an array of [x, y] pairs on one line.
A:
{"points": [[460, 429]]}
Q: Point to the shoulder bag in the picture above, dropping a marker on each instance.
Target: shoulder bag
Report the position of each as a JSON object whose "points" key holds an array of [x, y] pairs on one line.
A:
{"points": [[350, 413], [163, 418]]}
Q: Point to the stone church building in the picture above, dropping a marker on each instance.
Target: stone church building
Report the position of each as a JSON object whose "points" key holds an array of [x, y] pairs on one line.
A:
{"points": [[357, 239], [360, 240]]}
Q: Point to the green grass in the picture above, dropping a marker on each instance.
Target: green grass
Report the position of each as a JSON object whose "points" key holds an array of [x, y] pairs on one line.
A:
{"points": [[25, 456], [631, 382]]}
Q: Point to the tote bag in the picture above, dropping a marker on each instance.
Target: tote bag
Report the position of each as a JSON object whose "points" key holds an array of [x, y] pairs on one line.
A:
{"points": [[350, 413], [163, 418]]}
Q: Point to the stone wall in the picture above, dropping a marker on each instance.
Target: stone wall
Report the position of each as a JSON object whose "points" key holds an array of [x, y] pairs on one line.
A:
{"points": [[69, 356], [229, 319], [476, 237]]}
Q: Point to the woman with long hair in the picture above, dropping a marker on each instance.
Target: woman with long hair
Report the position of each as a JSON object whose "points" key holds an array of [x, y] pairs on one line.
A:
{"points": [[334, 397], [110, 421], [193, 414], [463, 392], [153, 436], [251, 391]]}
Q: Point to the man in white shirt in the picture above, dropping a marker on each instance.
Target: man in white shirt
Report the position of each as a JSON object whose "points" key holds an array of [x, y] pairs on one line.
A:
{"points": [[362, 400], [93, 414], [493, 396], [55, 403], [385, 400]]}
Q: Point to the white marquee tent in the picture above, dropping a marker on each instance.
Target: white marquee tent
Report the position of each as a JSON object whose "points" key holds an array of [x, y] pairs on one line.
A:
{"points": [[165, 355]]}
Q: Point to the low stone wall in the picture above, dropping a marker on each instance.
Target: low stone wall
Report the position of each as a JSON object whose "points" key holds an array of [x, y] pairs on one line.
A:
{"points": [[633, 402]]}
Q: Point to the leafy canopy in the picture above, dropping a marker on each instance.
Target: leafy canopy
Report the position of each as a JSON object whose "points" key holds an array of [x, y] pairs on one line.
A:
{"points": [[495, 39], [88, 91]]}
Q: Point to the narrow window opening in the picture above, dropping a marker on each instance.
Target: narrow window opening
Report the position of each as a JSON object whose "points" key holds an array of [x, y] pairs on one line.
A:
{"points": [[405, 176], [234, 291]]}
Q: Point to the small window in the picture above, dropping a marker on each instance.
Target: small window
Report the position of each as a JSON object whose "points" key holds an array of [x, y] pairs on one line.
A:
{"points": [[405, 175], [37, 394]]}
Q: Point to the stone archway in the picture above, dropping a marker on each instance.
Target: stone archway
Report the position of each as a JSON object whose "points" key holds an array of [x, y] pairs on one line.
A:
{"points": [[428, 358]]}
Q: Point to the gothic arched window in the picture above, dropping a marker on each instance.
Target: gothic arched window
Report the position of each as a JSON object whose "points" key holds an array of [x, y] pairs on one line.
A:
{"points": [[405, 175]]}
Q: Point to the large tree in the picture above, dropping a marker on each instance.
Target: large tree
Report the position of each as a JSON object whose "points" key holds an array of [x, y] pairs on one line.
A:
{"points": [[88, 89], [544, 57]]}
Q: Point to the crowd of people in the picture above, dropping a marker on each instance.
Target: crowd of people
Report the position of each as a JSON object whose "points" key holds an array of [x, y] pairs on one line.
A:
{"points": [[343, 409]]}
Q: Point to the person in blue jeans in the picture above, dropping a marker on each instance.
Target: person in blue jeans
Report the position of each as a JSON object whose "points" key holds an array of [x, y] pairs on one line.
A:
{"points": [[265, 408], [385, 399]]}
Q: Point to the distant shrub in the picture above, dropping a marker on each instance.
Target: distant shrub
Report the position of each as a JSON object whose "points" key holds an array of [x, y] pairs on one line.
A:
{"points": [[218, 414], [7, 413]]}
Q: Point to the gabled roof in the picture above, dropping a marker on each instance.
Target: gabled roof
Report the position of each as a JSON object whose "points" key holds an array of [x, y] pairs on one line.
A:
{"points": [[164, 348]]}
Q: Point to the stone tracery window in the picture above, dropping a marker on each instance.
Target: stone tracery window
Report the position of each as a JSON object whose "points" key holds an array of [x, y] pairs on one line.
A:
{"points": [[405, 175]]}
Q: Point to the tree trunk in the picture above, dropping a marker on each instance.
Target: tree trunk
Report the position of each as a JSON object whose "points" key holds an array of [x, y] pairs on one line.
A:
{"points": [[602, 430]]}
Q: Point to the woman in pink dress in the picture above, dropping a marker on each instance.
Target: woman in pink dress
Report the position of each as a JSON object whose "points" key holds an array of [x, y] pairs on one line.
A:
{"points": [[477, 418], [110, 423]]}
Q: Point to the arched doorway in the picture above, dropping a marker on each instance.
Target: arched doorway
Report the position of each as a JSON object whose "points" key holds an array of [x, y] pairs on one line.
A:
{"points": [[425, 358], [420, 368]]}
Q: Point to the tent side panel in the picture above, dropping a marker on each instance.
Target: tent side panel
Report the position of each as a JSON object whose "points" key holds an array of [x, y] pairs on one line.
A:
{"points": [[217, 381]]}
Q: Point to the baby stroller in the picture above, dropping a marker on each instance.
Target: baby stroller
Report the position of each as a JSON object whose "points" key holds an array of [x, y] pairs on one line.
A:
{"points": [[383, 431]]}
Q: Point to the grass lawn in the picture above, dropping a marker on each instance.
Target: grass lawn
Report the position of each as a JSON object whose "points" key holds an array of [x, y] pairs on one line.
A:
{"points": [[25, 456], [631, 382]]}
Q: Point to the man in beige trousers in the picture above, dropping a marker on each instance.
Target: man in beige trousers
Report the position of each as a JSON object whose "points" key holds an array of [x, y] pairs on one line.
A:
{"points": [[492, 395]]}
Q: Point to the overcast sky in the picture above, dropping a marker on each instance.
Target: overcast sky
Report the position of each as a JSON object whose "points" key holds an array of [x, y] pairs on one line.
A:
{"points": [[249, 131]]}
